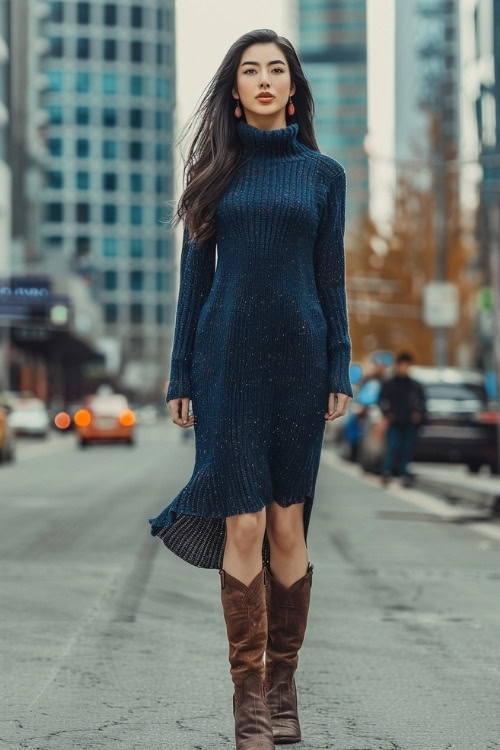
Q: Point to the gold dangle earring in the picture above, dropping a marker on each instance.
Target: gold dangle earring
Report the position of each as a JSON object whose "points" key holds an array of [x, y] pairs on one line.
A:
{"points": [[238, 111], [291, 107]]}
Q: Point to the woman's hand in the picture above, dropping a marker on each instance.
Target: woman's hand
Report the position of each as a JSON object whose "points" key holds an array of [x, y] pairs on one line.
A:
{"points": [[179, 408], [337, 405]]}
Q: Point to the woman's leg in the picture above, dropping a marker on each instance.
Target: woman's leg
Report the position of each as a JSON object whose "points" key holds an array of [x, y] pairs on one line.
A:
{"points": [[285, 531], [243, 595], [243, 550], [288, 598]]}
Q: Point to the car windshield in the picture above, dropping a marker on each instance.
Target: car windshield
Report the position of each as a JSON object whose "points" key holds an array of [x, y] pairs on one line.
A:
{"points": [[108, 404], [455, 391], [29, 405]]}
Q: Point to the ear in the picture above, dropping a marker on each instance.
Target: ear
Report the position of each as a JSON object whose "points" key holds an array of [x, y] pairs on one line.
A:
{"points": [[292, 89]]}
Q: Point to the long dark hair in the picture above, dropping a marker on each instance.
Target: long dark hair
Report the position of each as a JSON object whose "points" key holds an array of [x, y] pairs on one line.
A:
{"points": [[215, 152]]}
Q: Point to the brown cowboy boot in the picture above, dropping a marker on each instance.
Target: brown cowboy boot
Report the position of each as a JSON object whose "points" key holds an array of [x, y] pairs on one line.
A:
{"points": [[246, 623], [287, 611]]}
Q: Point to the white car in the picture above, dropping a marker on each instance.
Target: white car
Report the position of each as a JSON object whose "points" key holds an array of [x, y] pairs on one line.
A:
{"points": [[29, 416]]}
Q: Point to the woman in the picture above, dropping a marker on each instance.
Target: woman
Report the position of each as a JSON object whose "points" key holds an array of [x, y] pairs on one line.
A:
{"points": [[262, 350]]}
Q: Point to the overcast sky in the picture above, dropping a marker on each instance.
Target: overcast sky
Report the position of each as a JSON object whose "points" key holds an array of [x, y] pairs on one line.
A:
{"points": [[206, 30]]}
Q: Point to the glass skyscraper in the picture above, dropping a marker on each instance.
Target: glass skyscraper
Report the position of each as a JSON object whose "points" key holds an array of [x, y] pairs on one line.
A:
{"points": [[110, 100], [332, 49]]}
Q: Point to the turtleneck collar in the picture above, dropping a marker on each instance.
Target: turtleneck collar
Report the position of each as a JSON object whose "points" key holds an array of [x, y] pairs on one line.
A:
{"points": [[270, 143]]}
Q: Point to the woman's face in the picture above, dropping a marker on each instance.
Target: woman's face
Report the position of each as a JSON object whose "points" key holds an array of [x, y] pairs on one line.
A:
{"points": [[263, 69]]}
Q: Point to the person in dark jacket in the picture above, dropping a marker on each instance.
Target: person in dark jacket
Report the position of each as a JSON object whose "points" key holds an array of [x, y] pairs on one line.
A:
{"points": [[402, 401]]}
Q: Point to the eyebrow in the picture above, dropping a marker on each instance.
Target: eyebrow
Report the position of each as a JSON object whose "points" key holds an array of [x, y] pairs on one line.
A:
{"points": [[272, 62]]}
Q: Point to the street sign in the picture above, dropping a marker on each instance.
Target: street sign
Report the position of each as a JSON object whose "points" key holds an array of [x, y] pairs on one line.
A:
{"points": [[440, 304]]}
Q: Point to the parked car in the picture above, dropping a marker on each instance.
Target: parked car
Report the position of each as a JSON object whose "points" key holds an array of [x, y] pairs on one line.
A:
{"points": [[30, 416], [105, 418], [7, 436], [460, 426]]}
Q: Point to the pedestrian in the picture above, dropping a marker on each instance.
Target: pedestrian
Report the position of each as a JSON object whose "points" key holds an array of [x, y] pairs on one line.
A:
{"points": [[402, 401], [262, 349]]}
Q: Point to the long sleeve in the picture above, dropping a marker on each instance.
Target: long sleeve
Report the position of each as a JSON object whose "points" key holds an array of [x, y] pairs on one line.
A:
{"points": [[196, 277], [329, 270]]}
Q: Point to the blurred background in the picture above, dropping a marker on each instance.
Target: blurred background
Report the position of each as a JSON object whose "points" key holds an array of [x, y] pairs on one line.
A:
{"points": [[91, 97]]}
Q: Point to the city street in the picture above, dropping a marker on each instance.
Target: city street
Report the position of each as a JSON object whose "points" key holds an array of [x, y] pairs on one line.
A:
{"points": [[109, 640]]}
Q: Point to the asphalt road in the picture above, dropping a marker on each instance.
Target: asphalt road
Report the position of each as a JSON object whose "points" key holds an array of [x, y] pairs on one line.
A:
{"points": [[110, 641]]}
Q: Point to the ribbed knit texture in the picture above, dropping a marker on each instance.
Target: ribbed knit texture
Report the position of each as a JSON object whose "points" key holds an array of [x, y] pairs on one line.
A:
{"points": [[260, 341]]}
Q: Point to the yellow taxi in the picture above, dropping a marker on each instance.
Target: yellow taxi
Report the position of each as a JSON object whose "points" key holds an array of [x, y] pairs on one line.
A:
{"points": [[105, 418], [7, 440]]}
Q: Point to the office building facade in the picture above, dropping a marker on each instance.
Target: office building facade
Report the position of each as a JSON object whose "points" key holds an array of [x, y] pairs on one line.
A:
{"points": [[333, 50], [110, 102]]}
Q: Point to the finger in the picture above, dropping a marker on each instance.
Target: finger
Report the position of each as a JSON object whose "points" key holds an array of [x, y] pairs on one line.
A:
{"points": [[185, 410]]}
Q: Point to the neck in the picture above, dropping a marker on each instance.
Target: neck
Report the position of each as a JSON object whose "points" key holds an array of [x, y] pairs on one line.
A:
{"points": [[281, 142]]}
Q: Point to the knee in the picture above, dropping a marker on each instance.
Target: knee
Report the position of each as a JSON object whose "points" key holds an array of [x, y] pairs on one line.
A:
{"points": [[285, 534], [246, 529]]}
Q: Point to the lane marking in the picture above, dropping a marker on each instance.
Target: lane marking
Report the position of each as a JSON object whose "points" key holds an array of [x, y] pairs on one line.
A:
{"points": [[413, 496]]}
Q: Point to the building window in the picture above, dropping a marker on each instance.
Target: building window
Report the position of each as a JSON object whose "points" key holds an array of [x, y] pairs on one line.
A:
{"points": [[135, 182], [136, 19], [109, 149], [135, 118], [136, 247], [160, 214], [161, 87], [82, 180], [159, 54], [136, 312], [160, 314], [55, 114], [136, 281], [82, 245], [82, 82], [109, 117], [82, 147], [160, 120], [82, 213], [82, 115], [83, 48], [160, 248], [56, 46], [160, 18], [110, 14], [54, 241], [54, 212], [109, 83], [111, 312], [135, 150], [110, 280], [136, 85], [109, 49], [109, 247], [55, 80], [109, 213], [56, 8], [161, 152], [55, 179], [136, 51], [109, 181], [160, 184], [136, 215], [55, 146], [83, 12], [160, 281]]}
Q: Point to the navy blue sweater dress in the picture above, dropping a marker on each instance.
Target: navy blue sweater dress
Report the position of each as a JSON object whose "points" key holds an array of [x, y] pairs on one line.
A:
{"points": [[261, 338]]}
